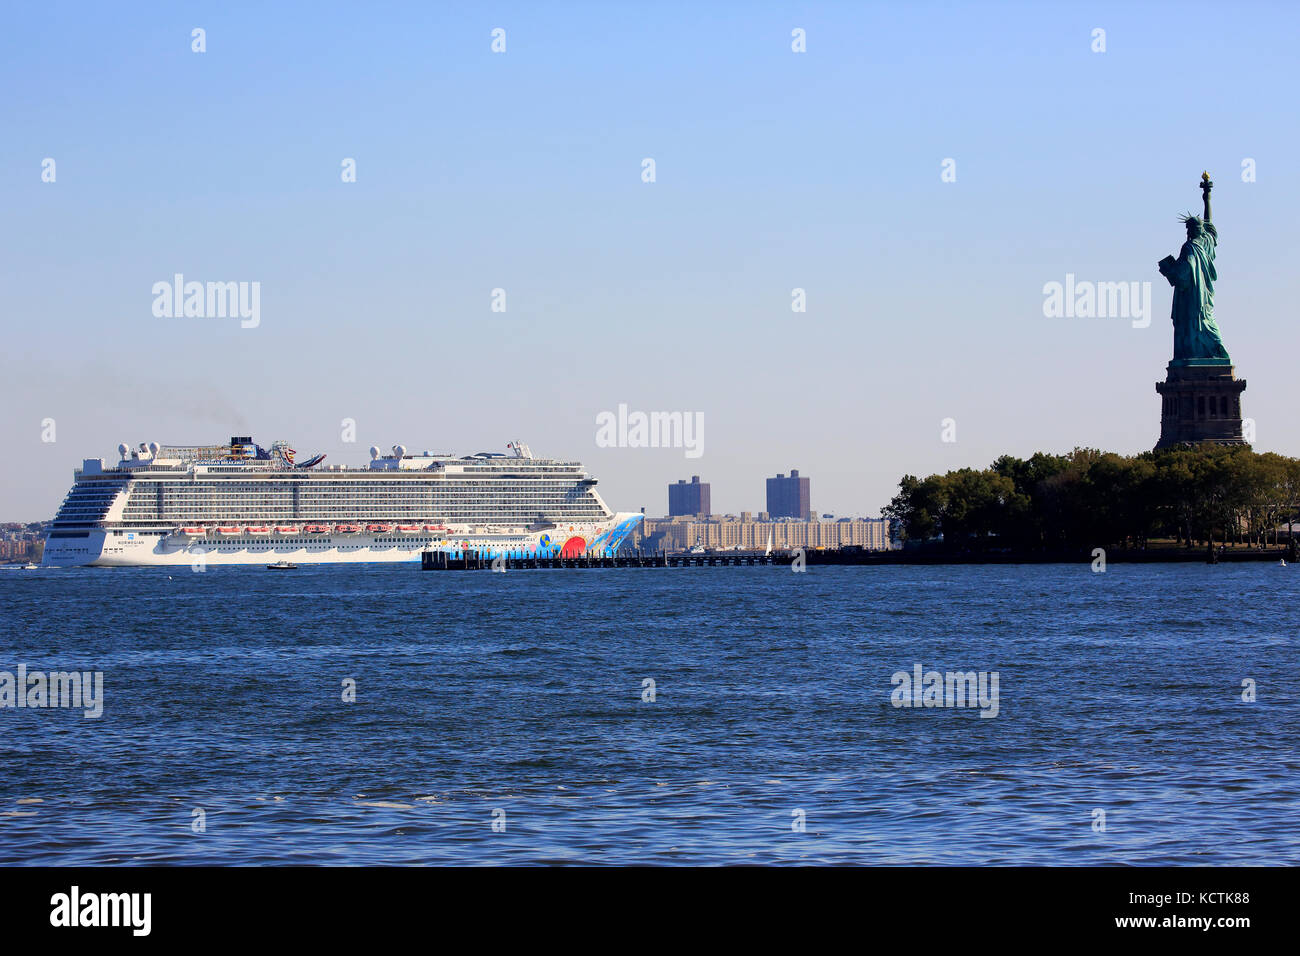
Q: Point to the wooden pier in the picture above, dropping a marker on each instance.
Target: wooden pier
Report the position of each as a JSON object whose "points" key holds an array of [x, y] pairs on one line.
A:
{"points": [[478, 561]]}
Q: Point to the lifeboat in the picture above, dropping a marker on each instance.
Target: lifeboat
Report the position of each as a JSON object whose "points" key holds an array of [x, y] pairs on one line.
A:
{"points": [[408, 528], [229, 531], [191, 532], [379, 528], [315, 529], [435, 527], [348, 528], [286, 529], [260, 529]]}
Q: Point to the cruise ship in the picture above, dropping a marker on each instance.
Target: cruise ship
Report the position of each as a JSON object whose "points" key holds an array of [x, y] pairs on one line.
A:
{"points": [[241, 503]]}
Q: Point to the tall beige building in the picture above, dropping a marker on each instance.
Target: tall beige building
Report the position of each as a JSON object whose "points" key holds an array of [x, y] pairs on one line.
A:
{"points": [[730, 532]]}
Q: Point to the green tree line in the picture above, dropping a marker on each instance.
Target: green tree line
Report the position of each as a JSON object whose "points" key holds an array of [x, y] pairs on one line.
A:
{"points": [[1088, 498]]}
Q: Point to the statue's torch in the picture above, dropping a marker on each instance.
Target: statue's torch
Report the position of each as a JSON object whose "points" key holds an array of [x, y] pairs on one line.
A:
{"points": [[1206, 186]]}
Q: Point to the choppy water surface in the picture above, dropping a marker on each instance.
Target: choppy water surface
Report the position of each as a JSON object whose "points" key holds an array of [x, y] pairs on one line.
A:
{"points": [[520, 694]]}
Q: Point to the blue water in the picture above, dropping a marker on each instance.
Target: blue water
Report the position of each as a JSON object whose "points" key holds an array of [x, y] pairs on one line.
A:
{"points": [[521, 694]]}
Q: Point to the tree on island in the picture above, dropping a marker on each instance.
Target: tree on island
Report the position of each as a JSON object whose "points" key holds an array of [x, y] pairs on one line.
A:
{"points": [[1089, 498]]}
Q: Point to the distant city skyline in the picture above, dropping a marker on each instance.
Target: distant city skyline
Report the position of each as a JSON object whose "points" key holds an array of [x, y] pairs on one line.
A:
{"points": [[914, 181]]}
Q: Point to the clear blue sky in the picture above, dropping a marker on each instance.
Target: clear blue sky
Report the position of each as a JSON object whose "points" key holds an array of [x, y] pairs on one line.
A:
{"points": [[522, 171]]}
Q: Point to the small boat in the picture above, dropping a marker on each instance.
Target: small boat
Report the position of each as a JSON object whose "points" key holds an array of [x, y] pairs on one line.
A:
{"points": [[30, 567], [282, 566], [229, 530], [379, 528], [1281, 562], [315, 529], [259, 530], [286, 529], [435, 527], [348, 528], [192, 532], [408, 528]]}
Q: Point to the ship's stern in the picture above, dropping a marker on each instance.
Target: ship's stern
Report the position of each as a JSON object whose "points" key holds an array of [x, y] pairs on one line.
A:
{"points": [[72, 549]]}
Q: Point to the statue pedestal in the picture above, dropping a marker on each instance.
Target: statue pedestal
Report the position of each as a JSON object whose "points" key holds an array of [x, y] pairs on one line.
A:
{"points": [[1201, 403]]}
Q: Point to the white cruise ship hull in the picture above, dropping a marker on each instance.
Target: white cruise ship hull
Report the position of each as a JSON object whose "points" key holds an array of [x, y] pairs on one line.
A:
{"points": [[242, 504], [128, 549]]}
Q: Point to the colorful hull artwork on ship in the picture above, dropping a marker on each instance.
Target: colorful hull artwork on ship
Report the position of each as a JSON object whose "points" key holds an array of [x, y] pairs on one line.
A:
{"points": [[611, 540], [176, 505]]}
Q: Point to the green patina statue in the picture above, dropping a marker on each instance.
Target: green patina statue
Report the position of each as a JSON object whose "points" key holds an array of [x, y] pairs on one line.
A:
{"points": [[1196, 337]]}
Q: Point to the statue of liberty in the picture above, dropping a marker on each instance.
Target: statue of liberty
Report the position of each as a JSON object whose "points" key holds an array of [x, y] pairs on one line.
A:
{"points": [[1196, 336]]}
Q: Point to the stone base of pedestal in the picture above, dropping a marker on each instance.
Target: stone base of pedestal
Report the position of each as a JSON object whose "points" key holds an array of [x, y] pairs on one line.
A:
{"points": [[1201, 403]]}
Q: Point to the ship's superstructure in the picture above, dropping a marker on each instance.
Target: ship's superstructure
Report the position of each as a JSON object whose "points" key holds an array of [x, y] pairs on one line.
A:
{"points": [[242, 504]]}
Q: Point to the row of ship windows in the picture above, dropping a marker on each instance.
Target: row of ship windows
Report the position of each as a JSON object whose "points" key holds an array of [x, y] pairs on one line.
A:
{"points": [[401, 486], [530, 509], [472, 520], [470, 470], [350, 498], [272, 549], [406, 484], [539, 502], [524, 507], [458, 514], [533, 508], [425, 507], [100, 495], [303, 541]]}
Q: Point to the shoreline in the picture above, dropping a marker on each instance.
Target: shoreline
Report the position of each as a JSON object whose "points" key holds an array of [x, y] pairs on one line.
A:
{"points": [[472, 560]]}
